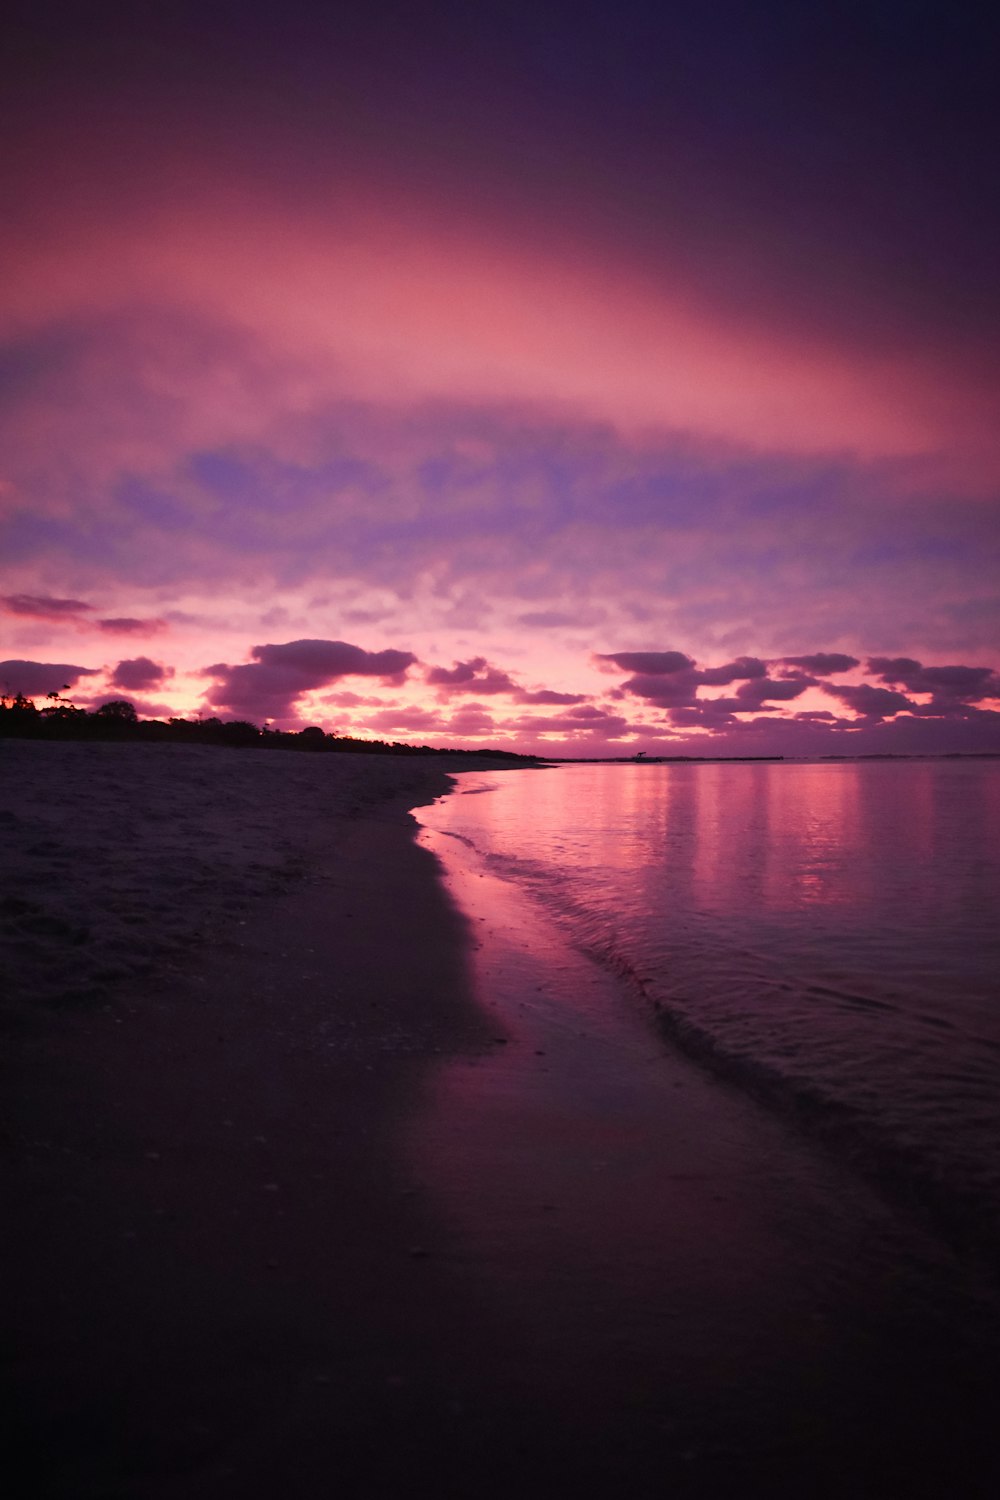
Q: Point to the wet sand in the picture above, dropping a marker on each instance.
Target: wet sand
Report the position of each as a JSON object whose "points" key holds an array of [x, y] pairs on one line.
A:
{"points": [[322, 1192]]}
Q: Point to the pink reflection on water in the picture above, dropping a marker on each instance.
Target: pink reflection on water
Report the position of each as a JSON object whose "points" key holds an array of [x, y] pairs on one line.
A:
{"points": [[571, 1166], [632, 1226], [833, 925], [738, 839], [771, 840]]}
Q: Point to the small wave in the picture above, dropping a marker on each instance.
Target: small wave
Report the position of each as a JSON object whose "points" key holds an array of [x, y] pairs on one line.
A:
{"points": [[903, 1171], [459, 838], [906, 1171], [851, 998], [856, 1022]]}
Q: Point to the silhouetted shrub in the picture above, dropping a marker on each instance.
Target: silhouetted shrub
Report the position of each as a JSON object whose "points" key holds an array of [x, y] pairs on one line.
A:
{"points": [[118, 710], [312, 738]]}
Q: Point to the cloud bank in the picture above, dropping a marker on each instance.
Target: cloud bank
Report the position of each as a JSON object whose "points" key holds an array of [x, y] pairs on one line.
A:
{"points": [[269, 686]]}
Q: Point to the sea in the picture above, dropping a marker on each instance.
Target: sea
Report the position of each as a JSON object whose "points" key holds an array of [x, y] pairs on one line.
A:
{"points": [[824, 937]]}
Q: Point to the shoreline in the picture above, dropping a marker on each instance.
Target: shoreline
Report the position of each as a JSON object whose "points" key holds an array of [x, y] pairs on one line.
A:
{"points": [[281, 1223], [797, 1330], [213, 1237]]}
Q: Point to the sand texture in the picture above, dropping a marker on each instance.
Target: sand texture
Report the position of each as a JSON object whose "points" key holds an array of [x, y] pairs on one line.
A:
{"points": [[116, 860], [227, 973]]}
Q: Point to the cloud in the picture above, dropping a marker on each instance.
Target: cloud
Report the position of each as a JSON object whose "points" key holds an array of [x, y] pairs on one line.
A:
{"points": [[475, 676], [323, 661], [672, 680], [47, 607], [633, 177], [550, 619], [648, 663], [822, 663], [970, 684], [675, 682], [354, 700], [36, 679], [548, 696], [871, 702], [584, 721], [140, 673], [405, 718], [267, 369], [44, 606], [473, 720], [126, 625], [545, 619], [366, 616], [709, 713], [763, 690], [214, 455], [675, 689], [268, 686], [950, 708], [733, 671]]}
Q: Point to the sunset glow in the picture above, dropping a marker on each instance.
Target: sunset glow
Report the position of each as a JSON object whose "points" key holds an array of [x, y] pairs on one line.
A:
{"points": [[414, 384]]}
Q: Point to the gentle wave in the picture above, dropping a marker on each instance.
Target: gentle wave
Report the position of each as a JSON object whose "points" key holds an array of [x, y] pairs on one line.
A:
{"points": [[774, 1072], [889, 1067]]}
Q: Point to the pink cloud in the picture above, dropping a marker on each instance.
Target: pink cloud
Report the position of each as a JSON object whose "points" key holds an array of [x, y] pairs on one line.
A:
{"points": [[595, 723], [127, 625], [330, 360], [178, 468], [475, 676], [138, 673], [472, 719], [677, 688], [672, 680], [44, 606], [353, 700], [547, 696], [549, 619], [822, 663], [971, 684], [871, 702], [36, 679], [405, 718], [278, 675], [734, 671], [954, 708], [708, 714], [648, 663], [762, 690]]}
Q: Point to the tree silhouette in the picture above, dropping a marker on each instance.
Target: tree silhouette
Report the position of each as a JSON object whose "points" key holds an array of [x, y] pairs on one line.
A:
{"points": [[120, 710]]}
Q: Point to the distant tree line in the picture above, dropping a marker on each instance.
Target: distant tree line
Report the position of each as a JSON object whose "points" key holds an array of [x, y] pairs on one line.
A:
{"points": [[21, 718]]}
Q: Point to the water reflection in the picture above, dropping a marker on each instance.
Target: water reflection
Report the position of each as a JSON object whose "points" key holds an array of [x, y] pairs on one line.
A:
{"points": [[634, 1228], [831, 925], [743, 839]]}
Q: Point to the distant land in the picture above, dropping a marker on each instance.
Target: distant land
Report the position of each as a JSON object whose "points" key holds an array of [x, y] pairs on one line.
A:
{"points": [[20, 718]]}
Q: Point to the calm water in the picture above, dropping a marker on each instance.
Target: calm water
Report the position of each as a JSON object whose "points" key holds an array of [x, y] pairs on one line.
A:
{"points": [[824, 936]]}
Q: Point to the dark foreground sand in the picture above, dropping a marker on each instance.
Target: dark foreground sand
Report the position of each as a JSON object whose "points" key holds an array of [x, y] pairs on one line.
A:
{"points": [[284, 1217]]}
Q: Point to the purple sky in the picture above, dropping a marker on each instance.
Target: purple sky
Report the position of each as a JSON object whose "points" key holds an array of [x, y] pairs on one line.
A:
{"points": [[563, 377]]}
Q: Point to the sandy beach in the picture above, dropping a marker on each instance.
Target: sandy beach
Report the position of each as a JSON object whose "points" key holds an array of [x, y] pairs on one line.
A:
{"points": [[302, 1198]]}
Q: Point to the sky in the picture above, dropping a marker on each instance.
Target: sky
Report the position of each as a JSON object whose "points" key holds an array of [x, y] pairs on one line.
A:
{"points": [[573, 378]]}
